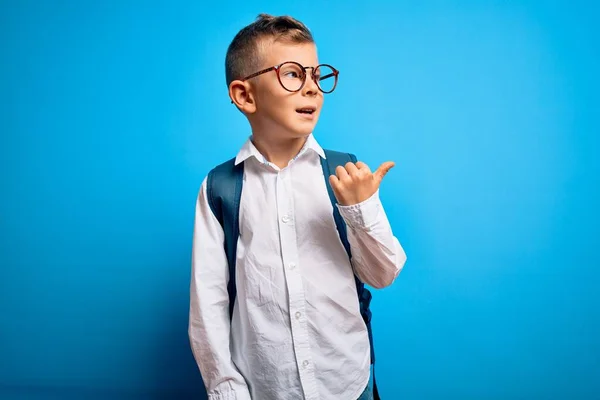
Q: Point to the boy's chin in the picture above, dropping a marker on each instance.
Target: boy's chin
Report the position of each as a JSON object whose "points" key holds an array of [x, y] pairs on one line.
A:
{"points": [[301, 133], [304, 129]]}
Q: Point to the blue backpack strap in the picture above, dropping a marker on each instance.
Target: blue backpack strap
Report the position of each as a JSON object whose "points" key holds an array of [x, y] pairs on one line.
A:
{"points": [[224, 192], [332, 161]]}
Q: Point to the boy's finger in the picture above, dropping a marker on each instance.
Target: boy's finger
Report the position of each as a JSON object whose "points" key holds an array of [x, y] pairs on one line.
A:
{"points": [[383, 169], [334, 182], [341, 173], [362, 166], [351, 168]]}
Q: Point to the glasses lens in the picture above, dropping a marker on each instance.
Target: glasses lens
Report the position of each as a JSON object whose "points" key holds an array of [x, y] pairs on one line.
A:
{"points": [[326, 78], [291, 76]]}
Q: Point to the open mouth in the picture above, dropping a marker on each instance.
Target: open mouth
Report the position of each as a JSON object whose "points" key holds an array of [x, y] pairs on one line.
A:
{"points": [[306, 110]]}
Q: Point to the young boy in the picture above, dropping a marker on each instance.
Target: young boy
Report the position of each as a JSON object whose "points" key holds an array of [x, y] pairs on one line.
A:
{"points": [[295, 330]]}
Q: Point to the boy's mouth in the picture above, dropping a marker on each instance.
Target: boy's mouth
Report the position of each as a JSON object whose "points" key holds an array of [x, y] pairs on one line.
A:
{"points": [[306, 110]]}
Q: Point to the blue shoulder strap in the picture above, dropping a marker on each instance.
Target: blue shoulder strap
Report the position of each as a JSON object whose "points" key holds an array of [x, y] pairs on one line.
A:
{"points": [[333, 160], [224, 191]]}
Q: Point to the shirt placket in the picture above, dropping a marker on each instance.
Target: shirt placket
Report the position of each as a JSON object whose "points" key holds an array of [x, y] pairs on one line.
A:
{"points": [[293, 278]]}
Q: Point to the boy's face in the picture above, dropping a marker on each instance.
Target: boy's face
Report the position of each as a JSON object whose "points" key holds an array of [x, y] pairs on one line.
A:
{"points": [[277, 110]]}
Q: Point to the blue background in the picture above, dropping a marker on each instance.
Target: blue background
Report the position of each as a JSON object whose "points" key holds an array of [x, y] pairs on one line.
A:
{"points": [[113, 112]]}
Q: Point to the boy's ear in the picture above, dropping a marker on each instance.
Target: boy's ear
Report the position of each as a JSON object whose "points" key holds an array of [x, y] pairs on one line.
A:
{"points": [[241, 95]]}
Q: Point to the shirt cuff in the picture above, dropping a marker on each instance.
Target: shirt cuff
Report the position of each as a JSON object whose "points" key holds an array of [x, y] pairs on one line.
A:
{"points": [[229, 395], [362, 215]]}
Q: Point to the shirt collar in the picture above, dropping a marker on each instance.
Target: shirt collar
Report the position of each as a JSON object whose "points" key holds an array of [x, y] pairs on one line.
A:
{"points": [[249, 150]]}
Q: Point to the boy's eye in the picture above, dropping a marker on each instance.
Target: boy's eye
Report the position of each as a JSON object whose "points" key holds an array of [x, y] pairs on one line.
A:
{"points": [[291, 71], [291, 74]]}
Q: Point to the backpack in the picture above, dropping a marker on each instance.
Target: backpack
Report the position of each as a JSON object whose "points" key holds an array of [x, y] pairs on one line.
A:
{"points": [[224, 192]]}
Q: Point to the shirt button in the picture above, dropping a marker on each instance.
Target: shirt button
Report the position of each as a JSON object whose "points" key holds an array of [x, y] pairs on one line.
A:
{"points": [[298, 315], [285, 219], [292, 266], [305, 363]]}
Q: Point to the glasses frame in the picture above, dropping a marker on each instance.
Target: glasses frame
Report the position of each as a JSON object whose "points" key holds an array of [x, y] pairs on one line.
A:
{"points": [[277, 68]]}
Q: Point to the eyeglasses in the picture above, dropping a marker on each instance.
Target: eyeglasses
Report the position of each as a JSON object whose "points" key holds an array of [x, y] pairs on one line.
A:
{"points": [[292, 76]]}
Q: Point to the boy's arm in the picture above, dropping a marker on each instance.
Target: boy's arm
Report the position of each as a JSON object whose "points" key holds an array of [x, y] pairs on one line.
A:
{"points": [[209, 321], [377, 256]]}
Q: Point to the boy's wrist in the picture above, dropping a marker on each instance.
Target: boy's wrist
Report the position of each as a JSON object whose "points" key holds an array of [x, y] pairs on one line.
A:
{"points": [[362, 215]]}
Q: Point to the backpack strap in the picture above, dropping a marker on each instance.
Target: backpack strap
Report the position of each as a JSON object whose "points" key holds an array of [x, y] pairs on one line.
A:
{"points": [[332, 161], [224, 192]]}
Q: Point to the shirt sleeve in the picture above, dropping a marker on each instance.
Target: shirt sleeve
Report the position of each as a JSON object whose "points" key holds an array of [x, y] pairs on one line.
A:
{"points": [[209, 322], [377, 256]]}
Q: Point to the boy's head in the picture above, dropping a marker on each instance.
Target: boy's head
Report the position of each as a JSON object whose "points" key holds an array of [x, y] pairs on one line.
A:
{"points": [[271, 71]]}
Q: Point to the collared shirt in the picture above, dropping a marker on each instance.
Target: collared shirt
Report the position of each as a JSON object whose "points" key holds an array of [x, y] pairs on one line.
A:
{"points": [[296, 330]]}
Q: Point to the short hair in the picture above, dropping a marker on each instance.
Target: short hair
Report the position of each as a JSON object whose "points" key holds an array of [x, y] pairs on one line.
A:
{"points": [[244, 54]]}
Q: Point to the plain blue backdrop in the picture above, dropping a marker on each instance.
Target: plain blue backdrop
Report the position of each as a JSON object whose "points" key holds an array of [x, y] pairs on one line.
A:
{"points": [[113, 112]]}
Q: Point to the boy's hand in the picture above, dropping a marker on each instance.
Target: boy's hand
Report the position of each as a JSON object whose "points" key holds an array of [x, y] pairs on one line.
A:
{"points": [[355, 183]]}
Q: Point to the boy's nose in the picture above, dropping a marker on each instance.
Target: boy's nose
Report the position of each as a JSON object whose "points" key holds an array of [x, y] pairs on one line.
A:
{"points": [[310, 86]]}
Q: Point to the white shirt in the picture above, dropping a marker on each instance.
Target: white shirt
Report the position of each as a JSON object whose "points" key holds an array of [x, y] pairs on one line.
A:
{"points": [[296, 330]]}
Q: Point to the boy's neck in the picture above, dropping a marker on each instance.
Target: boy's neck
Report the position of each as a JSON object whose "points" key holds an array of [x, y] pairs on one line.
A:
{"points": [[278, 152]]}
